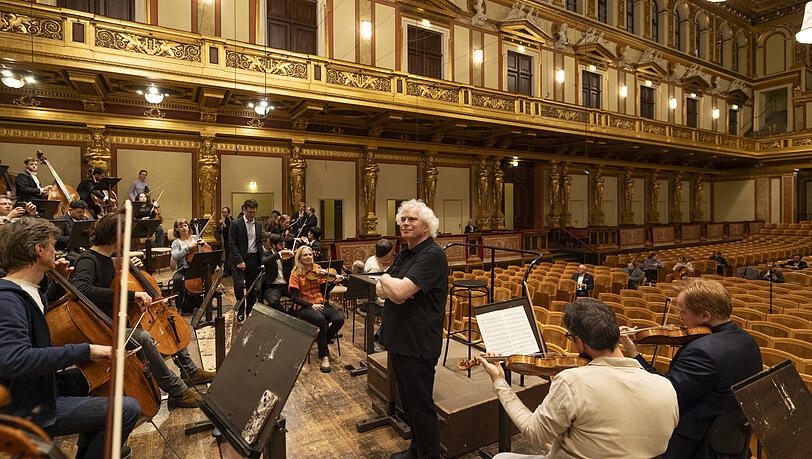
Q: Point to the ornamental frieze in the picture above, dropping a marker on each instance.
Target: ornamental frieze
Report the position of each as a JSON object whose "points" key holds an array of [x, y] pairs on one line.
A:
{"points": [[706, 137], [729, 141], [150, 46], [770, 145], [566, 114], [270, 65], [802, 142], [653, 128], [31, 25], [681, 133], [622, 123], [432, 92], [507, 104], [747, 145], [358, 80]]}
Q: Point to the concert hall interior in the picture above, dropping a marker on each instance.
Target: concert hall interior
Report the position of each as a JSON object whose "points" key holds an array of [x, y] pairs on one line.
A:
{"points": [[652, 155]]}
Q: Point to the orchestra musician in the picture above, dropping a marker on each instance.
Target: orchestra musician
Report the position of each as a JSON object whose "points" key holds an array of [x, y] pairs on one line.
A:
{"points": [[76, 213], [309, 302], [139, 185], [310, 221], [93, 274], [55, 400], [415, 288], [721, 263], [277, 270], [222, 230], [184, 242], [151, 212], [28, 184], [703, 370], [275, 225], [90, 195], [245, 239], [377, 264], [650, 266], [580, 414], [584, 282], [312, 241], [286, 230], [10, 213], [298, 217]]}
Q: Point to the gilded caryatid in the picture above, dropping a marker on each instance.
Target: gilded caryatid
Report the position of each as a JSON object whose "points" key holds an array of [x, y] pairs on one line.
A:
{"points": [[597, 218], [482, 193], [98, 152], [208, 170], [627, 217], [370, 183], [430, 184], [654, 197], [676, 212], [553, 198], [498, 193], [297, 168], [566, 188], [699, 195]]}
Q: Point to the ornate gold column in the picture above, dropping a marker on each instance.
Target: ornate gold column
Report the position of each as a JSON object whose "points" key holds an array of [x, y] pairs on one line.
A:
{"points": [[676, 212], [627, 216], [566, 187], [669, 24], [430, 182], [369, 223], [553, 195], [597, 217], [97, 154], [208, 171], [482, 218], [699, 194], [653, 197], [297, 174], [498, 220]]}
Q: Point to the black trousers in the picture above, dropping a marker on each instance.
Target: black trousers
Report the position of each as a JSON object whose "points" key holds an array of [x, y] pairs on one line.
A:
{"points": [[415, 378], [329, 322], [244, 279], [273, 293]]}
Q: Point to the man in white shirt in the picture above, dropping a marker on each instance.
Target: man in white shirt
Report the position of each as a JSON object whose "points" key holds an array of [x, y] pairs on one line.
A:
{"points": [[139, 186], [610, 408], [28, 184], [245, 239], [585, 283]]}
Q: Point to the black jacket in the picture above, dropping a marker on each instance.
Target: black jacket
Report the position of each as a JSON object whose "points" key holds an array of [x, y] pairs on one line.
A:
{"points": [[28, 362], [269, 259], [86, 188], [589, 283], [238, 241], [27, 189], [62, 243], [702, 372]]}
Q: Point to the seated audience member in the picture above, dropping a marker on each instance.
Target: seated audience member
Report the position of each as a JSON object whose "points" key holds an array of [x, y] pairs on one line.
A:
{"points": [[636, 275], [721, 263], [794, 263], [703, 370], [772, 274], [580, 415], [277, 270], [650, 266]]}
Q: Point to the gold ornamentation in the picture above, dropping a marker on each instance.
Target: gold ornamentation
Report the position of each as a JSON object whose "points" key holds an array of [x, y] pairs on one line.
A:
{"points": [[747, 145], [681, 133], [208, 170], [270, 65], [566, 114], [770, 145], [255, 122], [654, 128], [430, 185], [553, 196], [676, 212], [297, 167], [43, 134], [98, 154], [358, 80], [482, 193], [432, 92], [300, 124], [370, 177], [566, 187], [628, 124], [699, 193], [706, 137], [654, 196], [31, 25], [154, 112], [507, 104], [147, 45], [627, 217], [27, 101], [729, 141], [597, 218], [498, 193], [802, 142]]}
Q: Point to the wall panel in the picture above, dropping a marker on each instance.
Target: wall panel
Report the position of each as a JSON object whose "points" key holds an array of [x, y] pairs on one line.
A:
{"points": [[579, 199], [491, 61], [462, 57], [775, 200], [334, 180], [384, 33], [734, 201], [609, 203], [639, 201], [234, 19], [175, 14], [344, 27], [395, 181], [238, 171], [453, 183]]}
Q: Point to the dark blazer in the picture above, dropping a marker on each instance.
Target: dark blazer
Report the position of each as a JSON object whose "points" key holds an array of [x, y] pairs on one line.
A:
{"points": [[470, 229], [311, 221], [223, 231], [87, 187], [269, 259], [298, 219], [702, 372], [28, 362], [27, 189], [238, 241], [589, 282]]}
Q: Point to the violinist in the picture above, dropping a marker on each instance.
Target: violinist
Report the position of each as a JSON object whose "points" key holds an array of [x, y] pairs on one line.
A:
{"points": [[312, 241], [703, 370], [245, 239], [184, 243], [28, 184], [151, 212], [286, 230], [277, 269], [56, 401], [76, 213], [10, 213], [581, 413], [273, 224], [95, 198], [94, 272], [310, 305]]}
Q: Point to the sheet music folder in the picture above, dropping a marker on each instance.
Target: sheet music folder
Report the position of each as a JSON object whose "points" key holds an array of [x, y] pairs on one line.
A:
{"points": [[509, 327]]}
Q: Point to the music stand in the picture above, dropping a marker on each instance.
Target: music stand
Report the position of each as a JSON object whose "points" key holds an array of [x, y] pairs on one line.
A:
{"points": [[251, 387], [778, 407], [145, 229], [362, 287], [47, 207], [106, 184], [197, 225], [59, 224], [80, 234], [138, 206]]}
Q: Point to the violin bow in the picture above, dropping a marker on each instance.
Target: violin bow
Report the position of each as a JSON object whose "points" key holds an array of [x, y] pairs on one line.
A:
{"points": [[530, 301], [662, 324]]}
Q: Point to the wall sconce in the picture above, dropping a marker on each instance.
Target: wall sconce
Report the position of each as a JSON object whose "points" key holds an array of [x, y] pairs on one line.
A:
{"points": [[672, 103], [592, 68], [478, 56], [366, 30], [560, 75], [520, 48], [805, 34], [734, 107], [716, 113], [624, 91], [252, 185], [426, 23], [693, 95], [515, 161], [648, 83]]}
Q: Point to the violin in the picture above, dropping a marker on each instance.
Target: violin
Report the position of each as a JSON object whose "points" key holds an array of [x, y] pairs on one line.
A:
{"points": [[286, 254], [668, 335], [59, 191], [320, 273], [543, 364], [170, 332], [195, 285]]}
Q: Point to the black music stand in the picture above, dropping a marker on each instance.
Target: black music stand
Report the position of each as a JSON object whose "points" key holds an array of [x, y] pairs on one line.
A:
{"points": [[197, 225], [362, 287], [138, 206], [106, 184], [46, 207], [80, 235], [145, 229], [246, 397], [778, 406]]}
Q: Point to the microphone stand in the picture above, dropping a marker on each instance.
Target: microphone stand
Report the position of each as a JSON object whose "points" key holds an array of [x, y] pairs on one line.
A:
{"points": [[771, 275]]}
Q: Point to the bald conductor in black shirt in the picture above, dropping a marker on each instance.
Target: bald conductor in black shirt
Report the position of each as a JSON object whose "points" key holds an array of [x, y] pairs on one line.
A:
{"points": [[415, 289]]}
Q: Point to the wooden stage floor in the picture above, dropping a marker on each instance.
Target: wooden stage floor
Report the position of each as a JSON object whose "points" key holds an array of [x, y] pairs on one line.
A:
{"points": [[321, 411]]}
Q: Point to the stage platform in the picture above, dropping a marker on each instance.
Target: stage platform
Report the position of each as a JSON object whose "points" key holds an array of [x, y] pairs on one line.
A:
{"points": [[467, 408]]}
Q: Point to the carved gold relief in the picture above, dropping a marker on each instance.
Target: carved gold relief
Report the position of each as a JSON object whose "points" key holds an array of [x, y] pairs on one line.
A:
{"points": [[208, 170], [597, 217], [681, 133], [147, 45], [676, 212], [566, 188], [97, 154], [31, 25], [498, 193], [432, 92], [770, 145], [358, 80], [154, 112], [507, 104], [699, 194], [729, 141], [27, 101], [628, 124], [747, 145], [627, 216], [430, 184], [553, 195], [654, 196], [297, 167], [482, 193], [270, 65], [370, 178], [706, 137], [566, 114], [654, 128], [802, 142]]}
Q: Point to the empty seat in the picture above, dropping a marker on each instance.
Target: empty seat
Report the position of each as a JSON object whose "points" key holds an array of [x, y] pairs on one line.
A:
{"points": [[788, 320], [772, 329], [796, 347]]}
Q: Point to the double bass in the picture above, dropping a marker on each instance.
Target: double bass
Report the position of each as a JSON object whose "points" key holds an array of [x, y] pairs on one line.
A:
{"points": [[59, 191], [8, 185]]}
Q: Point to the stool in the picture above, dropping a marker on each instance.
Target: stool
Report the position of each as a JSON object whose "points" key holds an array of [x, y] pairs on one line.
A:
{"points": [[464, 288]]}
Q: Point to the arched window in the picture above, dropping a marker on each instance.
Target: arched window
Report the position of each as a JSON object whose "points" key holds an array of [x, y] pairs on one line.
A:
{"points": [[697, 38], [602, 11], [655, 22], [677, 32], [572, 5], [630, 16]]}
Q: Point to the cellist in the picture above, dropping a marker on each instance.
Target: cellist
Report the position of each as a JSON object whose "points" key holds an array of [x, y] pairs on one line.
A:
{"points": [[92, 276], [183, 244], [58, 402]]}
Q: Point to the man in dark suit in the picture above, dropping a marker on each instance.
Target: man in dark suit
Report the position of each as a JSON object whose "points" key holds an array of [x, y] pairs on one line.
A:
{"points": [[277, 270], [225, 223], [76, 213], [470, 227], [297, 220], [585, 283], [28, 184], [86, 189], [703, 370], [794, 263], [245, 241], [310, 221]]}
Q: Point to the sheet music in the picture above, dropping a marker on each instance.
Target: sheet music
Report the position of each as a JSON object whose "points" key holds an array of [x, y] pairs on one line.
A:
{"points": [[507, 332]]}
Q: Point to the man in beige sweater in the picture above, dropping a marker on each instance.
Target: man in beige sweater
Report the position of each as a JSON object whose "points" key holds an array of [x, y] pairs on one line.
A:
{"points": [[610, 408]]}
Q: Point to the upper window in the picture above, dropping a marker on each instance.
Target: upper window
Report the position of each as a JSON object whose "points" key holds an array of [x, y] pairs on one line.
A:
{"points": [[697, 40], [733, 122], [591, 89], [519, 73], [655, 22], [677, 31], [425, 52], [630, 16], [647, 102], [572, 5], [292, 25], [692, 113], [119, 9], [602, 11]]}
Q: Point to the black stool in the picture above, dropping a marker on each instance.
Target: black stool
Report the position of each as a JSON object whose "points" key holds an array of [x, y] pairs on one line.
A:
{"points": [[464, 288]]}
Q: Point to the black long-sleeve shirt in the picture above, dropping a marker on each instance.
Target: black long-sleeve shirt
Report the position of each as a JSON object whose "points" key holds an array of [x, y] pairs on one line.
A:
{"points": [[92, 275]]}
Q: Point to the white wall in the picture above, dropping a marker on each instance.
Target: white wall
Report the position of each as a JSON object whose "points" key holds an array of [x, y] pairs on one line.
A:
{"points": [[639, 201], [238, 171], [609, 203], [395, 181], [775, 200], [66, 160], [579, 199], [734, 201], [334, 180], [453, 183]]}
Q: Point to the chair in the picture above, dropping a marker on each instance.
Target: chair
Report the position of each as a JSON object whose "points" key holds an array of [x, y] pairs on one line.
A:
{"points": [[566, 290], [761, 294], [617, 307], [796, 347], [501, 294], [749, 314], [634, 302], [640, 313], [771, 357], [605, 297], [661, 364], [622, 320], [643, 323], [741, 323], [655, 297], [620, 280], [770, 328], [554, 334], [803, 335], [603, 284], [789, 321], [557, 306], [540, 314], [555, 318], [762, 339], [629, 293]]}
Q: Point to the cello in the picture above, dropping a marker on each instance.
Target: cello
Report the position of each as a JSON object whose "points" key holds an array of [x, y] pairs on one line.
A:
{"points": [[195, 285], [59, 191]]}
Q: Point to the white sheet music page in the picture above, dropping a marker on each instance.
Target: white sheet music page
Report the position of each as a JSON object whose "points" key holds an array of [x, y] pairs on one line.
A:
{"points": [[507, 332]]}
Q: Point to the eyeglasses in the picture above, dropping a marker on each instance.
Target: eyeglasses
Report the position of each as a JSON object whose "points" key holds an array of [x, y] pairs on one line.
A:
{"points": [[570, 337]]}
